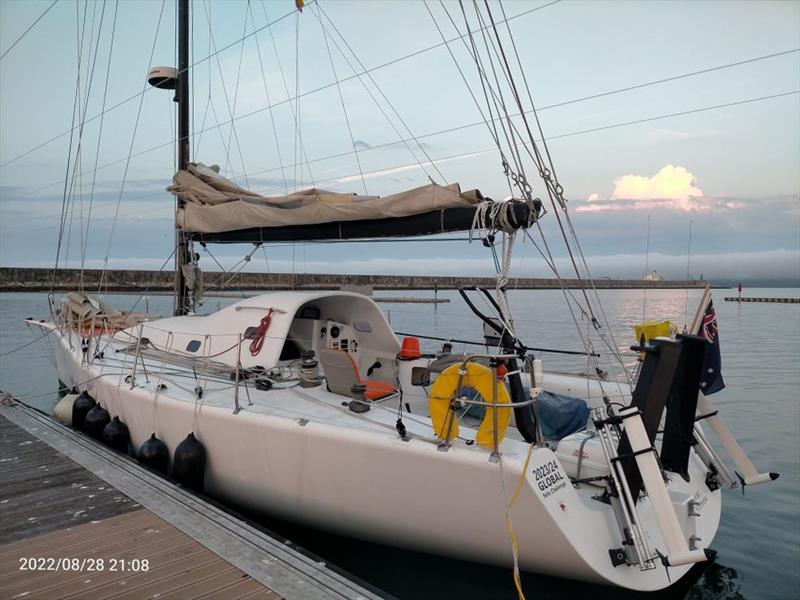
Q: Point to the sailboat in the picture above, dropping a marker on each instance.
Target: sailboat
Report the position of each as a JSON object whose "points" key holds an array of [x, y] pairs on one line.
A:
{"points": [[307, 405]]}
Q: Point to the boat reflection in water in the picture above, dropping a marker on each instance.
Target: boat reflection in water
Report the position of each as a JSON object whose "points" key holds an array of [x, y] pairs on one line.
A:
{"points": [[408, 574]]}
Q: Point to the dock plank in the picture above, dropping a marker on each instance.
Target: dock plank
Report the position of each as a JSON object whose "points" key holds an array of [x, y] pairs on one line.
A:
{"points": [[65, 496], [44, 582], [193, 589], [133, 526], [179, 578], [31, 507], [51, 507], [235, 591]]}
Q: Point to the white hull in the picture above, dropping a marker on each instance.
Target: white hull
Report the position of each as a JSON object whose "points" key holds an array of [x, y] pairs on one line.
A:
{"points": [[298, 455]]}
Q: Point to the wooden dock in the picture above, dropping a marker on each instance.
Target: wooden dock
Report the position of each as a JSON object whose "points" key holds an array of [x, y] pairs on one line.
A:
{"points": [[777, 300], [78, 520]]}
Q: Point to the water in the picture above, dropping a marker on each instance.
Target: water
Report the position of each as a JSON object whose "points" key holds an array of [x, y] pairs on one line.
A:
{"points": [[759, 538]]}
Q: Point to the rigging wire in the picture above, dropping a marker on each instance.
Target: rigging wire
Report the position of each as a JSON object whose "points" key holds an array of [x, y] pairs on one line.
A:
{"points": [[236, 99], [31, 343], [28, 30], [77, 175], [545, 167], [196, 150], [87, 93], [460, 127], [555, 191], [232, 120], [646, 270], [552, 137], [64, 200], [422, 51], [297, 115], [289, 97], [224, 272], [499, 104], [525, 82], [218, 129], [736, 63], [463, 76], [497, 97], [147, 289], [147, 89], [512, 177], [368, 72], [559, 193], [297, 93], [344, 107], [130, 151], [99, 140], [269, 101], [446, 158]]}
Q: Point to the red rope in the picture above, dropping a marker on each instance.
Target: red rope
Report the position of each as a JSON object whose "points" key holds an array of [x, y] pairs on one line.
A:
{"points": [[261, 332]]}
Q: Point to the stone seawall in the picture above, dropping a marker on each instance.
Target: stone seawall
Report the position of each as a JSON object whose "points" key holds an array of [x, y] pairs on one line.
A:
{"points": [[21, 279]]}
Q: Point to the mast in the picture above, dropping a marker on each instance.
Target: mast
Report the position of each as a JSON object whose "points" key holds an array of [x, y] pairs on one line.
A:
{"points": [[182, 251]]}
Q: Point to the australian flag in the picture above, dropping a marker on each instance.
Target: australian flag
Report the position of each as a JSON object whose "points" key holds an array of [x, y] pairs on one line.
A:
{"points": [[711, 379]]}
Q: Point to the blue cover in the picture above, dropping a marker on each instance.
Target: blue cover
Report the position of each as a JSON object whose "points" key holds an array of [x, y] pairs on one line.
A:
{"points": [[561, 415]]}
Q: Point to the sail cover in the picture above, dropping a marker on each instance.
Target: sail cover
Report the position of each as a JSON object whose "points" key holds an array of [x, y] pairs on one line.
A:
{"points": [[214, 205]]}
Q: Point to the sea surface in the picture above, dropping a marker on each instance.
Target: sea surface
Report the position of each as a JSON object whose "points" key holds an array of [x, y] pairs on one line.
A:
{"points": [[759, 537]]}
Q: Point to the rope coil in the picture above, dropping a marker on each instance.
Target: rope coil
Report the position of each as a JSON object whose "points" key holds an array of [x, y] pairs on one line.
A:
{"points": [[261, 332]]}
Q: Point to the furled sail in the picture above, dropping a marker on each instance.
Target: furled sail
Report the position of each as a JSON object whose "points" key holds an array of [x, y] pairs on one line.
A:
{"points": [[214, 203], [217, 210]]}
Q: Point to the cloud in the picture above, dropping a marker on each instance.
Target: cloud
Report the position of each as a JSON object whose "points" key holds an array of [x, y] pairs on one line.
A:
{"points": [[673, 183], [673, 187]]}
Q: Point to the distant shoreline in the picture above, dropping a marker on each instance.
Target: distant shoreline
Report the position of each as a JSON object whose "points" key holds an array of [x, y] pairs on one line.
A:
{"points": [[26, 279]]}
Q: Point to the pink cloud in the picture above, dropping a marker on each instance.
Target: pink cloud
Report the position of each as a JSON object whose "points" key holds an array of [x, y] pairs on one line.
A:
{"points": [[673, 187]]}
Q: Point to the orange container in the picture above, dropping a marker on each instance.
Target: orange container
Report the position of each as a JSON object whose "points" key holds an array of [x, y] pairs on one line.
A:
{"points": [[410, 349]]}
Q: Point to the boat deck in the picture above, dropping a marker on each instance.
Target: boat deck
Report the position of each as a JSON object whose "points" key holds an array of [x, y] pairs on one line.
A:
{"points": [[285, 400], [99, 517]]}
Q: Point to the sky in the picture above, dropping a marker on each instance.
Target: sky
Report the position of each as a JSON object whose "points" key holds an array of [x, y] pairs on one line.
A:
{"points": [[681, 119]]}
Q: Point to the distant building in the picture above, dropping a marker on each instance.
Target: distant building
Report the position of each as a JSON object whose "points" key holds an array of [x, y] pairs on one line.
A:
{"points": [[653, 276]]}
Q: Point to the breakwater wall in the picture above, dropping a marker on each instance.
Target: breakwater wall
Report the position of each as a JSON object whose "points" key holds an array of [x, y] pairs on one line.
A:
{"points": [[22, 279]]}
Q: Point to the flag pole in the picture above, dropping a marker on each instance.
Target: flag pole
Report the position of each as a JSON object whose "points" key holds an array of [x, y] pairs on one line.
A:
{"points": [[701, 309], [745, 470]]}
